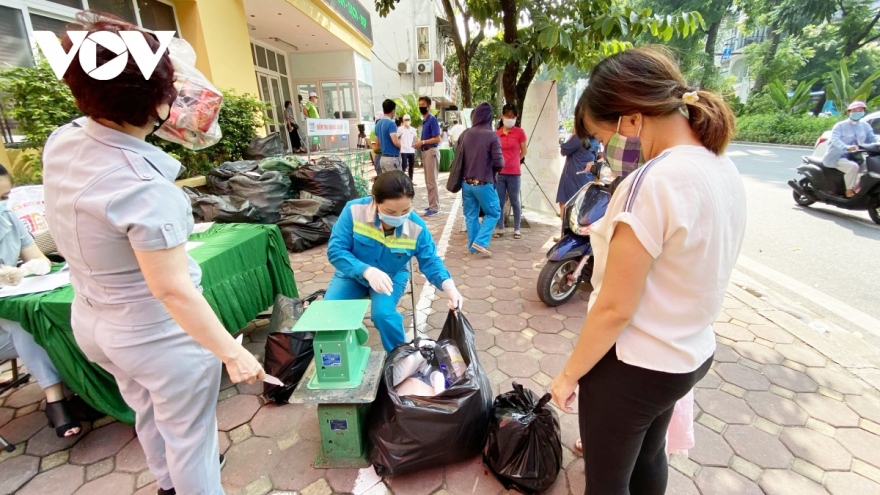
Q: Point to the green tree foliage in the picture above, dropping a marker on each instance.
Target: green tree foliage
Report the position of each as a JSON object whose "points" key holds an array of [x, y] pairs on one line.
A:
{"points": [[841, 90], [790, 104], [483, 75]]}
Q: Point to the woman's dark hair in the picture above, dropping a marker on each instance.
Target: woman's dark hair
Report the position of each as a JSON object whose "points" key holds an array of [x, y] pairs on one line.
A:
{"points": [[4, 172], [287, 103], [510, 108], [392, 185], [646, 80], [128, 97]]}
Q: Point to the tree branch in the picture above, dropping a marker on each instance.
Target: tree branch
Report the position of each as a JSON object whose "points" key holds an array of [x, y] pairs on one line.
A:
{"points": [[475, 43], [528, 74], [842, 8]]}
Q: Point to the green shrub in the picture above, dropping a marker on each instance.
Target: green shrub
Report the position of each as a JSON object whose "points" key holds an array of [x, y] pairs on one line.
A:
{"points": [[782, 129]]}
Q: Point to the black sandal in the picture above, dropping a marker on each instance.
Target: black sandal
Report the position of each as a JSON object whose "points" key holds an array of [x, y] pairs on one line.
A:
{"points": [[60, 419]]}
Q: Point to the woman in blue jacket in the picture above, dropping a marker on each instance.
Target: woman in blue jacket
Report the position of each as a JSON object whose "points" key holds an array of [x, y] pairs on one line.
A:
{"points": [[370, 246], [579, 154]]}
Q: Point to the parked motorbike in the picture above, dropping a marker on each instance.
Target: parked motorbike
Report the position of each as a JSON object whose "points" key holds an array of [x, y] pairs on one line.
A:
{"points": [[826, 184], [570, 260]]}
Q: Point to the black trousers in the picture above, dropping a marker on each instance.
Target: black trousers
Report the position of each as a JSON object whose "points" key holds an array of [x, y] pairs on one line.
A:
{"points": [[624, 412], [408, 160], [295, 142]]}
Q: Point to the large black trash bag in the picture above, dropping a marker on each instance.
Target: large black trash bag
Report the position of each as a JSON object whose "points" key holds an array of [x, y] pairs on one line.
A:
{"points": [[524, 448], [329, 178], [264, 147], [222, 209], [306, 223], [266, 191], [412, 433], [218, 177], [288, 354]]}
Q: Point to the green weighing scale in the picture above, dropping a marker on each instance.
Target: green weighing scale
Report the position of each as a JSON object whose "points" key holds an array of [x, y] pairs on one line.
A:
{"points": [[342, 380]]}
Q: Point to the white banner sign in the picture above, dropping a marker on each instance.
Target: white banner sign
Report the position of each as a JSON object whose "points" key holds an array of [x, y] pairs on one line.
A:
{"points": [[327, 127], [543, 166]]}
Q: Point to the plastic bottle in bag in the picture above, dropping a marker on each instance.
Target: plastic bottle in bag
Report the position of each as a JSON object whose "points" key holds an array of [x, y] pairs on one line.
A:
{"points": [[449, 361]]}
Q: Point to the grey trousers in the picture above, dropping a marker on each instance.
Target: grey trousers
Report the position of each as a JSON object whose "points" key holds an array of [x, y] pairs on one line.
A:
{"points": [[389, 163], [431, 163], [172, 383], [16, 342]]}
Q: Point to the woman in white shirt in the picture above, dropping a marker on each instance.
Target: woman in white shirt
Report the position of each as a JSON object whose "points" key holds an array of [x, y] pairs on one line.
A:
{"points": [[664, 253], [407, 136]]}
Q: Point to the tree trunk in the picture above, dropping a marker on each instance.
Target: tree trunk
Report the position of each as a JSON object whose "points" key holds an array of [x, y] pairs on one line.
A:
{"points": [[819, 105], [464, 56], [709, 68], [525, 80], [511, 37], [775, 38]]}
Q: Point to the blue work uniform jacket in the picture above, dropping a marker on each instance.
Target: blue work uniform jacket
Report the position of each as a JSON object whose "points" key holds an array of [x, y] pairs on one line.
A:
{"points": [[358, 242]]}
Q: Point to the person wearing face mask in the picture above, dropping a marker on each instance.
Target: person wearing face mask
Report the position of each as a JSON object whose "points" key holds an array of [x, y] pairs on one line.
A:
{"points": [[370, 246], [664, 253], [407, 137], [846, 137], [123, 225], [430, 154], [513, 145]]}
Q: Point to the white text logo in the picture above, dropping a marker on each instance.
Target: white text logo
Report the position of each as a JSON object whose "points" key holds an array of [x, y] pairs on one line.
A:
{"points": [[86, 45]]}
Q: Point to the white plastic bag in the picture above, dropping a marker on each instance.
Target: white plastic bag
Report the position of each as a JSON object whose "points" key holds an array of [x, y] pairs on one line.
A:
{"points": [[680, 435], [193, 121], [29, 206]]}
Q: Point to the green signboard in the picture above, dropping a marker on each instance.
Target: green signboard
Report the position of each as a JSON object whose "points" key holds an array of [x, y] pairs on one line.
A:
{"points": [[356, 15]]}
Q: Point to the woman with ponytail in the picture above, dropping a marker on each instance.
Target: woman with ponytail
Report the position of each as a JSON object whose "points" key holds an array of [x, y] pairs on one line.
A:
{"points": [[664, 253]]}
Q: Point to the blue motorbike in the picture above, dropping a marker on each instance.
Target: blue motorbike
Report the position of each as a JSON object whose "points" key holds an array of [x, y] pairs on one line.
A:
{"points": [[570, 260]]}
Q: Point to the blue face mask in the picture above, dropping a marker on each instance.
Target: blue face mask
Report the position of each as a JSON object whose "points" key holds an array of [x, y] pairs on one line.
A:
{"points": [[856, 116], [393, 221]]}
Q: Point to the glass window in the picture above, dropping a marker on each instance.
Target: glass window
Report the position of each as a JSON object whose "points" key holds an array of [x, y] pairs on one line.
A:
{"points": [[42, 23], [366, 100], [156, 16], [303, 90], [330, 98], [276, 99], [15, 49], [121, 8], [261, 56], [272, 65], [346, 100], [285, 90], [267, 97], [282, 65], [76, 4]]}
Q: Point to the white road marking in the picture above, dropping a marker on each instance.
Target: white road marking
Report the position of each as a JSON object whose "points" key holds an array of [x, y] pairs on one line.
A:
{"points": [[845, 311]]}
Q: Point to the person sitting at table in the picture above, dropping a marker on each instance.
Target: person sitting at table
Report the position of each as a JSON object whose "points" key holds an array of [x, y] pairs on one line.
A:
{"points": [[123, 225], [16, 342], [370, 246]]}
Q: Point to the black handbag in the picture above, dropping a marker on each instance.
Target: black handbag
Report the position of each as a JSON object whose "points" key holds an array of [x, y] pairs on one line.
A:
{"points": [[456, 169]]}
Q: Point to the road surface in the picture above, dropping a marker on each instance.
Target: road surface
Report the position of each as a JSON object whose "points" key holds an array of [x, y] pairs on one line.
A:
{"points": [[834, 251]]}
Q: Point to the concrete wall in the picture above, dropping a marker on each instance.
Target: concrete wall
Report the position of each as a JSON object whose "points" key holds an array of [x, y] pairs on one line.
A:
{"points": [[312, 67]]}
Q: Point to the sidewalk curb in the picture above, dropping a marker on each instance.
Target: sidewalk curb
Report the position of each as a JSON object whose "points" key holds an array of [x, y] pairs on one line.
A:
{"points": [[774, 145]]}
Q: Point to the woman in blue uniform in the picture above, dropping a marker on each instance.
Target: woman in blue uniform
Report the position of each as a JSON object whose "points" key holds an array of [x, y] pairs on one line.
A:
{"points": [[370, 246], [16, 342], [123, 225]]}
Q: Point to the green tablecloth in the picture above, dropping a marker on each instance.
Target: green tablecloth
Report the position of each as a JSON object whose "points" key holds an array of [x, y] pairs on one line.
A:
{"points": [[244, 266], [446, 156]]}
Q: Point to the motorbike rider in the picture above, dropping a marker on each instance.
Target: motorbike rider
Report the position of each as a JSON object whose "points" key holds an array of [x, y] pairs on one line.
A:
{"points": [[846, 137]]}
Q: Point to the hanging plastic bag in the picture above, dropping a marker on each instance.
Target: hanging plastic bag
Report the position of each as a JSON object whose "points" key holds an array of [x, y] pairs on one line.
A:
{"points": [[524, 448], [412, 433], [193, 119], [680, 434], [288, 354]]}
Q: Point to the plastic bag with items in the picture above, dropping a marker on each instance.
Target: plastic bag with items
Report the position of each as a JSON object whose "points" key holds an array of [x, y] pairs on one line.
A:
{"points": [[524, 448], [330, 179], [288, 354], [193, 120], [306, 223], [218, 177], [266, 190], [222, 209], [410, 433]]}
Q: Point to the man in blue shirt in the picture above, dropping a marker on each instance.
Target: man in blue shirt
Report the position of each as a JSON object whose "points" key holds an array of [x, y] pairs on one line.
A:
{"points": [[386, 133], [430, 154], [846, 137]]}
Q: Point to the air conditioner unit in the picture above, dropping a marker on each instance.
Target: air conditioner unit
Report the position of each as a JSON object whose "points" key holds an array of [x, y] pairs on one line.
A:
{"points": [[425, 67], [404, 67]]}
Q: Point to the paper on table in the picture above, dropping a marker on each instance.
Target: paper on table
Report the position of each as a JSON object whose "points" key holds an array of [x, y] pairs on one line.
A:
{"points": [[202, 227], [34, 285], [192, 245]]}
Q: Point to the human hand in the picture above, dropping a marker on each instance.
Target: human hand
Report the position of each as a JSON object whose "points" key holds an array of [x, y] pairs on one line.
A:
{"points": [[243, 366], [37, 266], [852, 148], [10, 275], [417, 144], [563, 391], [379, 280], [455, 298]]}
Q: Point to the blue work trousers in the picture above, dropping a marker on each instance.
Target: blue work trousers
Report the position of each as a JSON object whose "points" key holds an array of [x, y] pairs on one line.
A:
{"points": [[383, 310], [476, 198], [509, 185]]}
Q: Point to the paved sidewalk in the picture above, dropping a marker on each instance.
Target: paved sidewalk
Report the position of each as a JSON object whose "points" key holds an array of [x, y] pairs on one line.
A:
{"points": [[774, 415]]}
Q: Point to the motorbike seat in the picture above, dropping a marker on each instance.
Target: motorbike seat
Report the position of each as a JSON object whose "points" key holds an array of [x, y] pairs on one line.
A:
{"points": [[815, 160]]}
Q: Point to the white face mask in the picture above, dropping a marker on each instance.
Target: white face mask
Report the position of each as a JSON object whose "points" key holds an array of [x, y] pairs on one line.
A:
{"points": [[509, 123]]}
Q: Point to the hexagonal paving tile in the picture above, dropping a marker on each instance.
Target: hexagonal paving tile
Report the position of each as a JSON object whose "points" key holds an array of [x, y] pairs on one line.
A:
{"points": [[63, 480], [835, 380], [725, 354], [471, 477], [710, 449], [552, 343], [733, 332], [24, 427], [867, 406], [758, 447], [801, 354], [727, 408], [863, 445], [510, 323], [249, 460], [513, 341], [711, 380], [777, 409], [789, 379], [17, 471], [112, 484], [758, 352], [725, 481], [742, 376], [46, 441], [131, 458], [785, 482], [24, 396], [678, 484], [849, 484], [236, 411], [545, 324], [517, 364], [772, 333], [426, 481], [816, 448], [101, 443], [828, 410]]}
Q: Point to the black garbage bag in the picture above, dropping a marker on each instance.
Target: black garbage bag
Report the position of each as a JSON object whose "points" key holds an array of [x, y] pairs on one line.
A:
{"points": [[218, 177], [264, 147], [265, 190], [524, 448], [222, 209], [329, 178], [306, 223], [288, 354], [412, 433]]}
